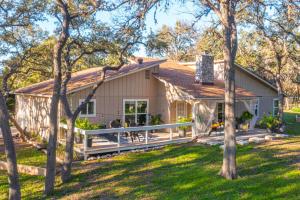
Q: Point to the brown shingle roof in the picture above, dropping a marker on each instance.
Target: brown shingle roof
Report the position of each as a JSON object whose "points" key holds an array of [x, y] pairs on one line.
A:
{"points": [[183, 77], [84, 78]]}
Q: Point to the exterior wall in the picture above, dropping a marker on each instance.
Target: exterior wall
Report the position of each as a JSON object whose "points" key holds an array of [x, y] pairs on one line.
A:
{"points": [[266, 93], [33, 113], [109, 97]]}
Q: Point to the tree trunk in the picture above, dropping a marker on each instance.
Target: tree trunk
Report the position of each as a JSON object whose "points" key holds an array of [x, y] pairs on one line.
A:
{"points": [[230, 44], [12, 170], [57, 63], [67, 165], [22, 132], [280, 98]]}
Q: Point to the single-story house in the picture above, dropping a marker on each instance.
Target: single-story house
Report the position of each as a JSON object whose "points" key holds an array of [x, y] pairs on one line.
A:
{"points": [[150, 87]]}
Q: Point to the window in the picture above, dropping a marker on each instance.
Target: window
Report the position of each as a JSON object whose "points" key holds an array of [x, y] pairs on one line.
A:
{"points": [[221, 112], [89, 109], [275, 107], [135, 111], [181, 109]]}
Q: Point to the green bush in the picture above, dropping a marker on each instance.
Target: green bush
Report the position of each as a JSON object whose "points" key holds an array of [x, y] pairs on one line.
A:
{"points": [[85, 124], [270, 122], [296, 109], [246, 116], [156, 119], [183, 120]]}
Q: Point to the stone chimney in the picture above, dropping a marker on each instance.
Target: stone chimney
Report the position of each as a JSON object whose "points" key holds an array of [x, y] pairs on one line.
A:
{"points": [[205, 69]]}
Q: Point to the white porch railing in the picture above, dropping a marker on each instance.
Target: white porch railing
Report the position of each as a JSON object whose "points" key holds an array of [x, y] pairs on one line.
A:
{"points": [[146, 129]]}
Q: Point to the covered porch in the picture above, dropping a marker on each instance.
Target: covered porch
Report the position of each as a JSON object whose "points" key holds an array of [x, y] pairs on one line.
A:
{"points": [[209, 114]]}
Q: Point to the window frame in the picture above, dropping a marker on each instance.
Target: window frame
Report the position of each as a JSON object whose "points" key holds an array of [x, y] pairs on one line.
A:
{"points": [[273, 111], [94, 110], [136, 110]]}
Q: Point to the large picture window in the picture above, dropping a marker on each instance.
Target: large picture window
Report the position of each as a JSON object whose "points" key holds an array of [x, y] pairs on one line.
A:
{"points": [[89, 109], [135, 112], [275, 107]]}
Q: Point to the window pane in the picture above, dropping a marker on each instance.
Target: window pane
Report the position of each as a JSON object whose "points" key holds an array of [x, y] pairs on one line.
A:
{"points": [[84, 110], [130, 107], [276, 103], [129, 119], [90, 106], [142, 107], [141, 119]]}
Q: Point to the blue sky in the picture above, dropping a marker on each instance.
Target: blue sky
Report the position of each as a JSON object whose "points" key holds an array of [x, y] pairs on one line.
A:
{"points": [[175, 13]]}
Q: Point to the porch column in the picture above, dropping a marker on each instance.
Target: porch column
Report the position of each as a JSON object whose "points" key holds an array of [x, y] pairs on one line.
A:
{"points": [[204, 115]]}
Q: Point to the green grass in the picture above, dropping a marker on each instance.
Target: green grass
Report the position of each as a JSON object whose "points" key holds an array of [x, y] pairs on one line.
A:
{"points": [[293, 127], [187, 171], [28, 155], [269, 171]]}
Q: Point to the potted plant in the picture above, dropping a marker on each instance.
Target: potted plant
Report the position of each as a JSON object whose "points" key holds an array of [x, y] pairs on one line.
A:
{"points": [[270, 122], [244, 120], [182, 129], [155, 120]]}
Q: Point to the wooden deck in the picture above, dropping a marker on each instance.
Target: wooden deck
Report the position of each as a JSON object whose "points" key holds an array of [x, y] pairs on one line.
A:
{"points": [[100, 145]]}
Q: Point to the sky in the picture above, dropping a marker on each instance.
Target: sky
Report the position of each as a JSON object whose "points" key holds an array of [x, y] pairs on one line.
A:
{"points": [[176, 12]]}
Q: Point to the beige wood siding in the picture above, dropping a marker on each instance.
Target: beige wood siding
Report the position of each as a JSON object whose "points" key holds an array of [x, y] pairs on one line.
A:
{"points": [[33, 112], [109, 97], [266, 93]]}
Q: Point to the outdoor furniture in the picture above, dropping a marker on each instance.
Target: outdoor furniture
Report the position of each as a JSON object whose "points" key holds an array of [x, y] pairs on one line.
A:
{"points": [[133, 134]]}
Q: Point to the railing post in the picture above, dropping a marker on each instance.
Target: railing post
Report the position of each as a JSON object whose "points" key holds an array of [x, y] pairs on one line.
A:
{"points": [[146, 135], [193, 130], [85, 146], [171, 134], [119, 142]]}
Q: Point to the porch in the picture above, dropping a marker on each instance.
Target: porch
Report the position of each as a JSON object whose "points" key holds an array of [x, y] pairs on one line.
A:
{"points": [[124, 139]]}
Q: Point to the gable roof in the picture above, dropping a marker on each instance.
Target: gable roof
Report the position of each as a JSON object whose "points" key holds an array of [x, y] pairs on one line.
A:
{"points": [[85, 78], [183, 78]]}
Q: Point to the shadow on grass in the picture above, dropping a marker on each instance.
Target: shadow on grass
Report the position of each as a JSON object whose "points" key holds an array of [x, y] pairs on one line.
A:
{"points": [[188, 172]]}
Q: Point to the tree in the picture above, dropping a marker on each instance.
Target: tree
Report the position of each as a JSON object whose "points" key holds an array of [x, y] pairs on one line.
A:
{"points": [[16, 18], [174, 43], [226, 12], [277, 48], [74, 17]]}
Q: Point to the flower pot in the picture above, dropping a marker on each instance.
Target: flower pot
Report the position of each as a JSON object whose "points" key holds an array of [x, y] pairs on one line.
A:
{"points": [[244, 126], [89, 142], [182, 133]]}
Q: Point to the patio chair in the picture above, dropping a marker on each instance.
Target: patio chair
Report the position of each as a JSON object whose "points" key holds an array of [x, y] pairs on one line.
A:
{"points": [[134, 134]]}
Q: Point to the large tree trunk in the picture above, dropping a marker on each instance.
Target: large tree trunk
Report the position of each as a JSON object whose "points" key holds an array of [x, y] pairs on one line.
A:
{"points": [[67, 165], [230, 44], [57, 62], [23, 133], [280, 98], [12, 170]]}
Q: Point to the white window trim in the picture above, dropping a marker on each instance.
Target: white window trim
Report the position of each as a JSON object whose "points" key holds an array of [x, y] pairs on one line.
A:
{"points": [[273, 111], [136, 100], [94, 112], [185, 109]]}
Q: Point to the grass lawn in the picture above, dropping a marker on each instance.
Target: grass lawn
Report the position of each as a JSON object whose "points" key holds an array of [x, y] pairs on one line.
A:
{"points": [[290, 119], [26, 155], [189, 171], [268, 171]]}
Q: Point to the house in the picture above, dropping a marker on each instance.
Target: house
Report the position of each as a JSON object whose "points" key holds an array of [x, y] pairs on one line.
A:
{"points": [[150, 87]]}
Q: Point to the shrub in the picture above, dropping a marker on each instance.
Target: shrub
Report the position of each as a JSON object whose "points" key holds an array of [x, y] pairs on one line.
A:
{"points": [[270, 122], [296, 109], [183, 120], [156, 119], [85, 124], [246, 116]]}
